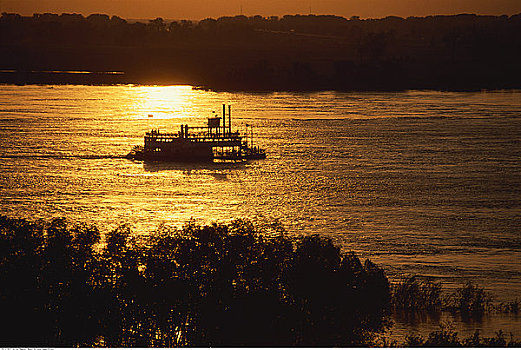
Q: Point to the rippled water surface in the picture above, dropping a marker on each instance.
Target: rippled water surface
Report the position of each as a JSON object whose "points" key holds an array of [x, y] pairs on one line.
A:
{"points": [[420, 182]]}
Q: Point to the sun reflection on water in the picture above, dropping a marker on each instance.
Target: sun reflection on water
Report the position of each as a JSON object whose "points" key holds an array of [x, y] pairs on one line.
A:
{"points": [[391, 187], [163, 102]]}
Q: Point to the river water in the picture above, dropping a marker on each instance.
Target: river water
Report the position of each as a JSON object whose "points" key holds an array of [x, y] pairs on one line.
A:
{"points": [[425, 183]]}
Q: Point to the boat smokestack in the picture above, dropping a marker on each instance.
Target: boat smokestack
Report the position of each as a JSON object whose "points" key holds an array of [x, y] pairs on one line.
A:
{"points": [[224, 118], [230, 119]]}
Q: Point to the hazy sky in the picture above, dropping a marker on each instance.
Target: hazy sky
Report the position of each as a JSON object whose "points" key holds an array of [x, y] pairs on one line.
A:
{"points": [[198, 9]]}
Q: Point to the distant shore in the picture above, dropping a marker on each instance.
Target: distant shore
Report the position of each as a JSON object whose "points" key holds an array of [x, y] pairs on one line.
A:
{"points": [[290, 53], [107, 79]]}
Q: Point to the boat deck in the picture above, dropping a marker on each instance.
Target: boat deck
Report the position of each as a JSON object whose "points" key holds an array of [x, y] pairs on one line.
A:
{"points": [[214, 141]]}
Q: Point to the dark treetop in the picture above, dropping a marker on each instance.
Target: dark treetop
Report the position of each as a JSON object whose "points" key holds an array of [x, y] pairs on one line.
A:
{"points": [[219, 285]]}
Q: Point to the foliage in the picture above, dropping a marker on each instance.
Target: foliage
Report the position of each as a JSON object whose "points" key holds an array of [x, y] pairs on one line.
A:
{"points": [[511, 307], [413, 294], [461, 52], [471, 300], [217, 285], [446, 337]]}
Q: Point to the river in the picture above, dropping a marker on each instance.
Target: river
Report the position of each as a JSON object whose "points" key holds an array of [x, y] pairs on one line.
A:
{"points": [[420, 182]]}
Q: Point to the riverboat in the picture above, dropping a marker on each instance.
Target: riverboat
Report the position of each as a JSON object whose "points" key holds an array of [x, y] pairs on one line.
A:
{"points": [[215, 141]]}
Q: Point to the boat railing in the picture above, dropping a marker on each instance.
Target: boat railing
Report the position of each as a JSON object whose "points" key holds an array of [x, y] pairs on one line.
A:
{"points": [[194, 136]]}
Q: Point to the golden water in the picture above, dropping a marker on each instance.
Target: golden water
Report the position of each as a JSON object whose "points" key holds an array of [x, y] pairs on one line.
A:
{"points": [[420, 182]]}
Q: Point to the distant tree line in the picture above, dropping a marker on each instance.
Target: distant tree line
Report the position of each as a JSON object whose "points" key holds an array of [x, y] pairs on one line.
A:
{"points": [[294, 52]]}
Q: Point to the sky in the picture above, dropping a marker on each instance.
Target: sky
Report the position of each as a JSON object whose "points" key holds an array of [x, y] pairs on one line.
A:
{"points": [[199, 9]]}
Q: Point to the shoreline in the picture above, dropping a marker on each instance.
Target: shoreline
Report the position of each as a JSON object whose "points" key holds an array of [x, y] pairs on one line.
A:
{"points": [[94, 82], [138, 265]]}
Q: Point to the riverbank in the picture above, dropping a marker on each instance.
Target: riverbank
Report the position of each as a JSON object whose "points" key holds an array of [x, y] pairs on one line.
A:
{"points": [[233, 284], [291, 53]]}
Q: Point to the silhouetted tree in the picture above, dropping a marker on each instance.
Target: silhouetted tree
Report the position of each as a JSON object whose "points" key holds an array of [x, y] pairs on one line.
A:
{"points": [[218, 285]]}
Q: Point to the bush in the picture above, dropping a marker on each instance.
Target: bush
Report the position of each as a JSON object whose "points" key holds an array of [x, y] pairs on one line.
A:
{"points": [[510, 307], [446, 337], [412, 294], [217, 285], [470, 300]]}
